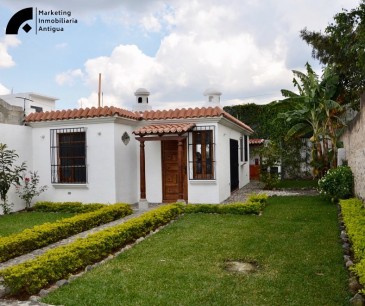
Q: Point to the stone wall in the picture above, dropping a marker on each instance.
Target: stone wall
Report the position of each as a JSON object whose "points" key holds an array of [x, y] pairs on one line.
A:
{"points": [[354, 143], [10, 114]]}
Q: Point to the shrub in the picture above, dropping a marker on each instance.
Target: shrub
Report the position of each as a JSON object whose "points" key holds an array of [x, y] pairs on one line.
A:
{"points": [[353, 214], [29, 277], [42, 235], [66, 207], [337, 183], [254, 205]]}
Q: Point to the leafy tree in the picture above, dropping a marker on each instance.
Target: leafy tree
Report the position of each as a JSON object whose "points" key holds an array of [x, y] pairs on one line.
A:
{"points": [[315, 115], [10, 174], [342, 46], [270, 157], [263, 120]]}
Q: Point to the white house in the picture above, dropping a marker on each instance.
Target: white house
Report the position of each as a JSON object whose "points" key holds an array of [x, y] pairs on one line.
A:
{"points": [[31, 102], [109, 154]]}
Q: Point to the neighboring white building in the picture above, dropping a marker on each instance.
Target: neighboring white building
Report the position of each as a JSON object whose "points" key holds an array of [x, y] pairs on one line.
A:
{"points": [[109, 154], [31, 102]]}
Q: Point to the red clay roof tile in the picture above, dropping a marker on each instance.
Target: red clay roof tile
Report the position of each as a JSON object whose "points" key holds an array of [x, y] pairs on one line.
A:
{"points": [[256, 141], [159, 129], [106, 111]]}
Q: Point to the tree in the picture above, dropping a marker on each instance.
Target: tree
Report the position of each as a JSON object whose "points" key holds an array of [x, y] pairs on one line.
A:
{"points": [[263, 120], [10, 174], [342, 47], [315, 115]]}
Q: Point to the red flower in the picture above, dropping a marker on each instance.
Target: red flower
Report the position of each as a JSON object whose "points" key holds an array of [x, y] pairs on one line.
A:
{"points": [[27, 179]]}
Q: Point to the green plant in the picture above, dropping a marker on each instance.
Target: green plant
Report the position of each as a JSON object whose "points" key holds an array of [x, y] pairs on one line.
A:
{"points": [[184, 264], [42, 235], [67, 207], [10, 174], [28, 188], [30, 276], [270, 157], [337, 183], [353, 214]]}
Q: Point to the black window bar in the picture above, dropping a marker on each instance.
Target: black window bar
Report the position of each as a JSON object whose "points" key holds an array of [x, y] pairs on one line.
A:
{"points": [[202, 153], [68, 155]]}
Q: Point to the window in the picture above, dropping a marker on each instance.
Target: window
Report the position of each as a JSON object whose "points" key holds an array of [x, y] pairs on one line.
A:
{"points": [[68, 156], [244, 148], [201, 154], [139, 99]]}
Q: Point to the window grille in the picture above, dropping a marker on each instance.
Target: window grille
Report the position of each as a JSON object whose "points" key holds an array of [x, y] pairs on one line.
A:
{"points": [[202, 153], [68, 155], [246, 147]]}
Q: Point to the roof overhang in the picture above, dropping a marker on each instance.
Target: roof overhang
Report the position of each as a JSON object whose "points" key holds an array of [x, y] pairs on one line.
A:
{"points": [[164, 129]]}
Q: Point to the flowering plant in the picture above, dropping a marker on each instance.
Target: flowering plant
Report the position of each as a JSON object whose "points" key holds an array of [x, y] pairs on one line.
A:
{"points": [[337, 183], [28, 188]]}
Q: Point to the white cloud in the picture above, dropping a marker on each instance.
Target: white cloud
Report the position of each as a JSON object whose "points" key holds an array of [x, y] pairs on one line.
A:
{"points": [[7, 42], [4, 90], [69, 77], [151, 23], [245, 49]]}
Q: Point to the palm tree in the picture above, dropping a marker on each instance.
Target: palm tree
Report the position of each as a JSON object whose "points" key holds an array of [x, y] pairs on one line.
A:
{"points": [[313, 114]]}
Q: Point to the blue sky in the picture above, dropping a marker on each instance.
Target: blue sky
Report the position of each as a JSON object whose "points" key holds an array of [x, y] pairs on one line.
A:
{"points": [[176, 49]]}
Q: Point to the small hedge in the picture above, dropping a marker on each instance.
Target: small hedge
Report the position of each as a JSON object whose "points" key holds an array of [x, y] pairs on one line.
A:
{"points": [[30, 276], [254, 205], [66, 207], [353, 214], [47, 233]]}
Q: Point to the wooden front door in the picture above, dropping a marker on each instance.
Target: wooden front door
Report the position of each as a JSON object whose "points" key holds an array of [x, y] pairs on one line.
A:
{"points": [[170, 171]]}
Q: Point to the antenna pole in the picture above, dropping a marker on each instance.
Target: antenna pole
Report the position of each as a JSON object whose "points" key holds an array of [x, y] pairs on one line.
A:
{"points": [[99, 91]]}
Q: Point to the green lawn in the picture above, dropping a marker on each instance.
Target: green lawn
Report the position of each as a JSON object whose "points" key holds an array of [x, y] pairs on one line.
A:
{"points": [[17, 222], [295, 243], [298, 184]]}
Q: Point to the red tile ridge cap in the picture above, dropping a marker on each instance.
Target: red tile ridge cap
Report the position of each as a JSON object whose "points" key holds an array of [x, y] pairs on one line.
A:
{"points": [[80, 113]]}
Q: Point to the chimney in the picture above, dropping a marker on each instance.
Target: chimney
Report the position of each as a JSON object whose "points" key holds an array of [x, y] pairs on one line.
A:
{"points": [[141, 100], [213, 97]]}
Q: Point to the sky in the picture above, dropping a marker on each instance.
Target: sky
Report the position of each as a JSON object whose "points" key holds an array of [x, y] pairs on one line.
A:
{"points": [[176, 49]]}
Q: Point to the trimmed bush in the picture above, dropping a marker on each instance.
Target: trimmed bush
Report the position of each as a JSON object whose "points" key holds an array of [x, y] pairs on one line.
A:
{"points": [[337, 184], [29, 277], [47, 233], [254, 205], [66, 207], [353, 214]]}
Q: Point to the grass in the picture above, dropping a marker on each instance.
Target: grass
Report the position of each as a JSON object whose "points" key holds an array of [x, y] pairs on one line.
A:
{"points": [[17, 222], [295, 243], [297, 184]]}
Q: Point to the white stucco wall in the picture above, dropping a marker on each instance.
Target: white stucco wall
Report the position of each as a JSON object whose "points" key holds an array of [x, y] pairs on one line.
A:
{"points": [[18, 138], [224, 176], [126, 165], [218, 190], [100, 165]]}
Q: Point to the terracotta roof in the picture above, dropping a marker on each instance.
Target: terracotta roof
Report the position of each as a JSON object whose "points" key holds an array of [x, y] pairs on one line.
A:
{"points": [[159, 129], [198, 112], [256, 141], [106, 111]]}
